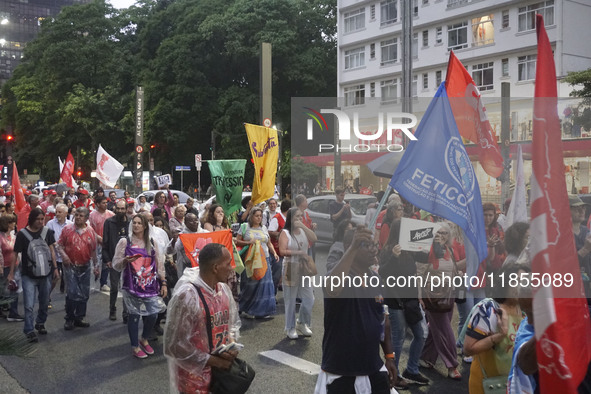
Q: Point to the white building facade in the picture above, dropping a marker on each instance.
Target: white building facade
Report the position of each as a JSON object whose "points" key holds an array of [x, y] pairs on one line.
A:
{"points": [[494, 39]]}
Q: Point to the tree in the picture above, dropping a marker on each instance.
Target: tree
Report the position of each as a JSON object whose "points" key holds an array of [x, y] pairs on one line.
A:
{"points": [[69, 89], [581, 116], [198, 61], [580, 78]]}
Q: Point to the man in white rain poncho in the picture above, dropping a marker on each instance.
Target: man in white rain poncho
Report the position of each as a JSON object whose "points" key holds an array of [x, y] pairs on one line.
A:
{"points": [[186, 343]]}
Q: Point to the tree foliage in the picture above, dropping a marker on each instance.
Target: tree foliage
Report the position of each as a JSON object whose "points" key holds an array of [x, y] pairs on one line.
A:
{"points": [[580, 78], [198, 61], [582, 112]]}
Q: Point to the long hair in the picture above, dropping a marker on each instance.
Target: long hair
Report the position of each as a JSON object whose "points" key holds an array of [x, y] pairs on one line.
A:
{"points": [[211, 217], [489, 206], [145, 235], [165, 226], [289, 219], [157, 196], [35, 213], [251, 215]]}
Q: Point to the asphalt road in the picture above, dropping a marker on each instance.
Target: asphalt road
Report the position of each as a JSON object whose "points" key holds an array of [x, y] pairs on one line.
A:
{"points": [[98, 359]]}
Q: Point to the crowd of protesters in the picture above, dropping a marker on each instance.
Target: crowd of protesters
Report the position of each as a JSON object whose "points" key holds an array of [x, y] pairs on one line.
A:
{"points": [[133, 246]]}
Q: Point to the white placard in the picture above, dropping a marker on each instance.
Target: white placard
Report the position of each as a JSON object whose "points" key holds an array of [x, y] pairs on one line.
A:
{"points": [[163, 180], [416, 235]]}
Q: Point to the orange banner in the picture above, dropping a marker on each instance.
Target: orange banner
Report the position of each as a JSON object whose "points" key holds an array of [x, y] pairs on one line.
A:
{"points": [[194, 242]]}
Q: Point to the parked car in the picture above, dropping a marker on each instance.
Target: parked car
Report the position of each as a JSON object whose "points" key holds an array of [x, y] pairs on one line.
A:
{"points": [[318, 211], [183, 197]]}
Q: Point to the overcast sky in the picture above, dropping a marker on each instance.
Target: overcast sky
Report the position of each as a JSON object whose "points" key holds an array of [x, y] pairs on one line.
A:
{"points": [[122, 3]]}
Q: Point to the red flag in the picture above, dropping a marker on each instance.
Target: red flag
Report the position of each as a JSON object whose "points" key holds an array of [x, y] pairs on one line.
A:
{"points": [[68, 170], [561, 315], [17, 190], [470, 116], [194, 242]]}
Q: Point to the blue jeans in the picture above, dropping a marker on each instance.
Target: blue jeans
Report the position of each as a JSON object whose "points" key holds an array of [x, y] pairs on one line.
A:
{"points": [[13, 308], [78, 280], [133, 324], [289, 296], [398, 332], [30, 286]]}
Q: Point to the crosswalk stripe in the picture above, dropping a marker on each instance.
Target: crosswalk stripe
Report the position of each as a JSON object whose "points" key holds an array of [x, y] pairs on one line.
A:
{"points": [[292, 361]]}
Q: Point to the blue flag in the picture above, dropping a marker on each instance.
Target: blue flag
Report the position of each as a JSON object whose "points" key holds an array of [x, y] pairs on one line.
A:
{"points": [[435, 174]]}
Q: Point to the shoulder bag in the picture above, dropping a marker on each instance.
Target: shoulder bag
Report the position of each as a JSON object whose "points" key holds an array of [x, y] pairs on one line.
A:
{"points": [[307, 264], [494, 385], [235, 380], [442, 298]]}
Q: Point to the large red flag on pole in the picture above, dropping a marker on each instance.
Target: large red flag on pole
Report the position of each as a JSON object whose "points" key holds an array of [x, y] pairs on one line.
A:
{"points": [[561, 315], [470, 116], [17, 190], [68, 170]]}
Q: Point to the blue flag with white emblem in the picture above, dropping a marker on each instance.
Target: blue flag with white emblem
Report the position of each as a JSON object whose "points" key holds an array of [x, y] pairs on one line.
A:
{"points": [[435, 174]]}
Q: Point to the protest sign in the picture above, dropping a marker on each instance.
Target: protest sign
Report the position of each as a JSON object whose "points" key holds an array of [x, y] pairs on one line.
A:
{"points": [[416, 235]]}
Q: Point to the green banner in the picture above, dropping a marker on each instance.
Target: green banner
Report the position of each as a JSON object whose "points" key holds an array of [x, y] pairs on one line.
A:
{"points": [[228, 178]]}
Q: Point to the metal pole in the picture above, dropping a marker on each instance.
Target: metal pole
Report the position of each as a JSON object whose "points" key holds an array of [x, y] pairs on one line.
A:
{"points": [[505, 139], [407, 7], [199, 184], [182, 171]]}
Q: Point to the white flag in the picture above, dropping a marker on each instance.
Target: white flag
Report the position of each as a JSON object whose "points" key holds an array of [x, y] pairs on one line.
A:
{"points": [[107, 168], [518, 208]]}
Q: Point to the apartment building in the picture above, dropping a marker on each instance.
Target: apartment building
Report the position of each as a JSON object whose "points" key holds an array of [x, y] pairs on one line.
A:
{"points": [[496, 42]]}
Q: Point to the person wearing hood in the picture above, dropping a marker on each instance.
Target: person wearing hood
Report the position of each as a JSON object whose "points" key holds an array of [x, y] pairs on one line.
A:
{"points": [[186, 341]]}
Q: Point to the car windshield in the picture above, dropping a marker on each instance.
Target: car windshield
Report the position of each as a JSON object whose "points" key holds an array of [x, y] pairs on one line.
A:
{"points": [[359, 205]]}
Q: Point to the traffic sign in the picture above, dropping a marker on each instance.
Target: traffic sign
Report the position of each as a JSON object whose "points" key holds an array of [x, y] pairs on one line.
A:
{"points": [[139, 149], [267, 122], [198, 161], [182, 168]]}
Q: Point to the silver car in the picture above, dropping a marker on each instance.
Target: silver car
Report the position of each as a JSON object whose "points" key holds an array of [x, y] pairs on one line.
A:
{"points": [[318, 211]]}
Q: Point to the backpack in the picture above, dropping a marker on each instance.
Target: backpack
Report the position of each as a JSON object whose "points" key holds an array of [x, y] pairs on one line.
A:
{"points": [[38, 254]]}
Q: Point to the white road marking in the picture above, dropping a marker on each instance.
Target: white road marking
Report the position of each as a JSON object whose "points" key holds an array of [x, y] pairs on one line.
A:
{"points": [[292, 361]]}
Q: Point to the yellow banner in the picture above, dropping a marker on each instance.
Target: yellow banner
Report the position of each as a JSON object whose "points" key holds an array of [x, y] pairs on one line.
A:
{"points": [[264, 147]]}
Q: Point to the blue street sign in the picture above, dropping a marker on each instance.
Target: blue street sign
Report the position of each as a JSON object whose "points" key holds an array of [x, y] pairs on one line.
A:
{"points": [[182, 168]]}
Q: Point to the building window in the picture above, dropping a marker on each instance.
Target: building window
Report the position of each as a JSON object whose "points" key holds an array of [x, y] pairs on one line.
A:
{"points": [[372, 89], [482, 74], [414, 86], [505, 21], [437, 79], [372, 51], [389, 90], [526, 67], [425, 2], [354, 20], [438, 35], [414, 49], [425, 38], [527, 15], [483, 31], [425, 81], [415, 8], [354, 58], [505, 67], [457, 36], [388, 12], [372, 12], [389, 51], [355, 95], [453, 3]]}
